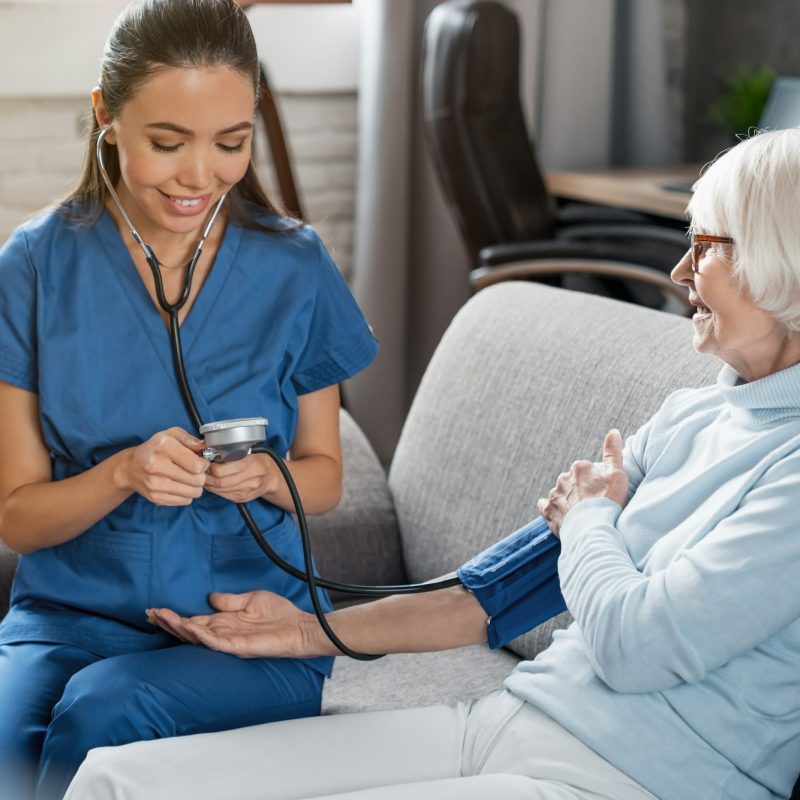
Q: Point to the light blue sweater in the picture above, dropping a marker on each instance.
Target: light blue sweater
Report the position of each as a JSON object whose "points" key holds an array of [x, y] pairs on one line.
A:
{"points": [[683, 665]]}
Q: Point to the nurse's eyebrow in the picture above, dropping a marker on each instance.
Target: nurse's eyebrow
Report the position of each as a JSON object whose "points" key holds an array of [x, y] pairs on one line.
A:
{"points": [[171, 126]]}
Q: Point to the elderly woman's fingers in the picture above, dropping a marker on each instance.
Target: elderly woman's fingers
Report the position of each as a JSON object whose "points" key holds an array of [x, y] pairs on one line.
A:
{"points": [[612, 451], [541, 505], [172, 623], [205, 635], [550, 513], [225, 601]]}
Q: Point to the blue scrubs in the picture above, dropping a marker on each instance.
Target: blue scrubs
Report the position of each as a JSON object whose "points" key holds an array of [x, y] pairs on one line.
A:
{"points": [[274, 320]]}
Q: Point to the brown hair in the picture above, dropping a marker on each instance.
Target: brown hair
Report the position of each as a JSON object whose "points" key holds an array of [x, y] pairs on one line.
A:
{"points": [[155, 34]]}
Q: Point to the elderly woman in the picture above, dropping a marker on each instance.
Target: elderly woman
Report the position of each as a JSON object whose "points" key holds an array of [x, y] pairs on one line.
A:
{"points": [[678, 678]]}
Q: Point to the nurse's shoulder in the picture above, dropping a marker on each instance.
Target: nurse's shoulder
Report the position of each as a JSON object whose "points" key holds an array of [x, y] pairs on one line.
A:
{"points": [[295, 244], [46, 241]]}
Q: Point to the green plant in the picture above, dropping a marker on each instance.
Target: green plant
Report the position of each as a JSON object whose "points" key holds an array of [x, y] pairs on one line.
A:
{"points": [[743, 99]]}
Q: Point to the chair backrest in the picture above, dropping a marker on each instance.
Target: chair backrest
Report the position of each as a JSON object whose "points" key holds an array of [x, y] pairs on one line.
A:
{"points": [[526, 380], [475, 126]]}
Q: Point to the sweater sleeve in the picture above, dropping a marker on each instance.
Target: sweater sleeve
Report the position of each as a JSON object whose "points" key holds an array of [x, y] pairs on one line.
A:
{"points": [[633, 457], [733, 589]]}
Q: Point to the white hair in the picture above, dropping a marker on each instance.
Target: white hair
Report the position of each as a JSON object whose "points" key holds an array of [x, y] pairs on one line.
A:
{"points": [[752, 194]]}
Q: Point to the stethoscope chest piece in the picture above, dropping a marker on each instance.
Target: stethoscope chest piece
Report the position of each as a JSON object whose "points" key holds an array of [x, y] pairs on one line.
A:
{"points": [[231, 439]]}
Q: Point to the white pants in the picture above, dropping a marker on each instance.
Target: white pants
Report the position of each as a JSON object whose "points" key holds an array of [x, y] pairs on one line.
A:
{"points": [[495, 747]]}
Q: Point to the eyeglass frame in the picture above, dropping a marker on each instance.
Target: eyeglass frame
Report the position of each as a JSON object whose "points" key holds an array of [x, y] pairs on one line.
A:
{"points": [[696, 238]]}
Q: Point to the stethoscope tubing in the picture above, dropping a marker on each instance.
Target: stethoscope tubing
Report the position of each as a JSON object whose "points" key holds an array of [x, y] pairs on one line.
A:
{"points": [[307, 575]]}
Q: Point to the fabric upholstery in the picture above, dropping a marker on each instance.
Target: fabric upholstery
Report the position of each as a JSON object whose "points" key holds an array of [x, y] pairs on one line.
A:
{"points": [[416, 679], [358, 542]]}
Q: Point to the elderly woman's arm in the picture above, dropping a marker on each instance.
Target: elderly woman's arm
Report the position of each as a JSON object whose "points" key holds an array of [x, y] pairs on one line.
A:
{"points": [[721, 597], [263, 624]]}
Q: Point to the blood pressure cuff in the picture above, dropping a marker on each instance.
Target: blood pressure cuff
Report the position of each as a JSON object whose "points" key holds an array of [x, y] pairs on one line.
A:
{"points": [[516, 581]]}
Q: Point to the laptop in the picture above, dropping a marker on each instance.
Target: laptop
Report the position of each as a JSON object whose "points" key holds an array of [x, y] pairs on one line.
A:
{"points": [[783, 105], [781, 111]]}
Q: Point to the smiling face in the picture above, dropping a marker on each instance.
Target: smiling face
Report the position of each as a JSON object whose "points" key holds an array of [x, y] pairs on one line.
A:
{"points": [[183, 141], [728, 324]]}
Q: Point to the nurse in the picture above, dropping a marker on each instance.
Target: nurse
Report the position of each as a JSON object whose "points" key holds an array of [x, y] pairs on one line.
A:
{"points": [[102, 488]]}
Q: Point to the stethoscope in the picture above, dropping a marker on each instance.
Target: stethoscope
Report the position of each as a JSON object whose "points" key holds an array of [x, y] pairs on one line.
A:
{"points": [[229, 440]]}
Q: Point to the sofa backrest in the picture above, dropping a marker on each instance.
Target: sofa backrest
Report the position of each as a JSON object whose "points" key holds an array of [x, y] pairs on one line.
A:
{"points": [[526, 380]]}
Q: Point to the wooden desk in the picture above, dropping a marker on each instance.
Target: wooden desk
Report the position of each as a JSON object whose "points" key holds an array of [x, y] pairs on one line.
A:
{"points": [[635, 189]]}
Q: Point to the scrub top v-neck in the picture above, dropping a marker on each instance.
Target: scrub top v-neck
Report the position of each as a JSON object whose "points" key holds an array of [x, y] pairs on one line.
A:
{"points": [[273, 320], [140, 299]]}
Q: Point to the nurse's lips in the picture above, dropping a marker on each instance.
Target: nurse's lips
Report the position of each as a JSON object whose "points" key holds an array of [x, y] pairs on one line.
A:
{"points": [[186, 205]]}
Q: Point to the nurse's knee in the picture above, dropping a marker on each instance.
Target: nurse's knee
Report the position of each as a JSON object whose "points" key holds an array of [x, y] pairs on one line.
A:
{"points": [[104, 705]]}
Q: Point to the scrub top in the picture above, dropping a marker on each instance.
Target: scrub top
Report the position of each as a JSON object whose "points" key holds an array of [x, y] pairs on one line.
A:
{"points": [[273, 320]]}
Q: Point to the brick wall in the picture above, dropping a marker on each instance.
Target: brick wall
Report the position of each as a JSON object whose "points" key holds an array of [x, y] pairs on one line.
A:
{"points": [[41, 150]]}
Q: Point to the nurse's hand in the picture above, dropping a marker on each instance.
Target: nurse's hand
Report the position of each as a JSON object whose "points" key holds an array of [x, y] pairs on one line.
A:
{"points": [[585, 481], [244, 480], [252, 625], [166, 469]]}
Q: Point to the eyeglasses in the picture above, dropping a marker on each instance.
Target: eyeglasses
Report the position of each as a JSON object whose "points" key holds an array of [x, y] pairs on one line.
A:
{"points": [[699, 242]]}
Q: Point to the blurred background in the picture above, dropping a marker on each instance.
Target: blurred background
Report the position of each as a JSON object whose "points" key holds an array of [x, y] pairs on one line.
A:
{"points": [[603, 84]]}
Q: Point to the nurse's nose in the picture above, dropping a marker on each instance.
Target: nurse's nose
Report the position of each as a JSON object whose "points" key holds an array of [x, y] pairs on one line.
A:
{"points": [[195, 170]]}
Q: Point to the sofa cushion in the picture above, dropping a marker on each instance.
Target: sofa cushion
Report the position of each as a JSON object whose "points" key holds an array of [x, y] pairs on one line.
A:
{"points": [[526, 380], [358, 542], [417, 679]]}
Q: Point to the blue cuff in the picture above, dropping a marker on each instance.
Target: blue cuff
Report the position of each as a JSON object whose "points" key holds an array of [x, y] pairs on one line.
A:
{"points": [[516, 581]]}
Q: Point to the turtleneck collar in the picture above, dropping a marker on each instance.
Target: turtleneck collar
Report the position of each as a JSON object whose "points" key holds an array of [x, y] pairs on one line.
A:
{"points": [[770, 399]]}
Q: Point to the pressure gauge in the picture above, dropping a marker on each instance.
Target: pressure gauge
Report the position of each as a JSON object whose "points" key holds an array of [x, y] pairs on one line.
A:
{"points": [[231, 439]]}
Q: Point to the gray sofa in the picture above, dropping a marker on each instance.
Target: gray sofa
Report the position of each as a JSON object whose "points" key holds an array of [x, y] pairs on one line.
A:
{"points": [[526, 380]]}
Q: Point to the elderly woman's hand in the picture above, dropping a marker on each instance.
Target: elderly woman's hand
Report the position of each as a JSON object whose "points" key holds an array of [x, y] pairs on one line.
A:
{"points": [[254, 624], [586, 480]]}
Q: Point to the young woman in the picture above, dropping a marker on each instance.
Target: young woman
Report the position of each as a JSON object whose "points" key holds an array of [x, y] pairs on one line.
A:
{"points": [[679, 677], [102, 487]]}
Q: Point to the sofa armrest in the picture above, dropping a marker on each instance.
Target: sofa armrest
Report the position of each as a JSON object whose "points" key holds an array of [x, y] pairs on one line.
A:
{"points": [[359, 541], [8, 564]]}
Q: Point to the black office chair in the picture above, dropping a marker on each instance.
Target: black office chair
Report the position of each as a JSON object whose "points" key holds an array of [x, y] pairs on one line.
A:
{"points": [[476, 131]]}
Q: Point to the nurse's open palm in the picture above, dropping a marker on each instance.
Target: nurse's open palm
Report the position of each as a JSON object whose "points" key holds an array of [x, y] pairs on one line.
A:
{"points": [[167, 469], [256, 624]]}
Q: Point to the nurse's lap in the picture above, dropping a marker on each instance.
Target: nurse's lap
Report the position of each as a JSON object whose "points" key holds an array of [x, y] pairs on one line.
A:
{"points": [[186, 689], [80, 701]]}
